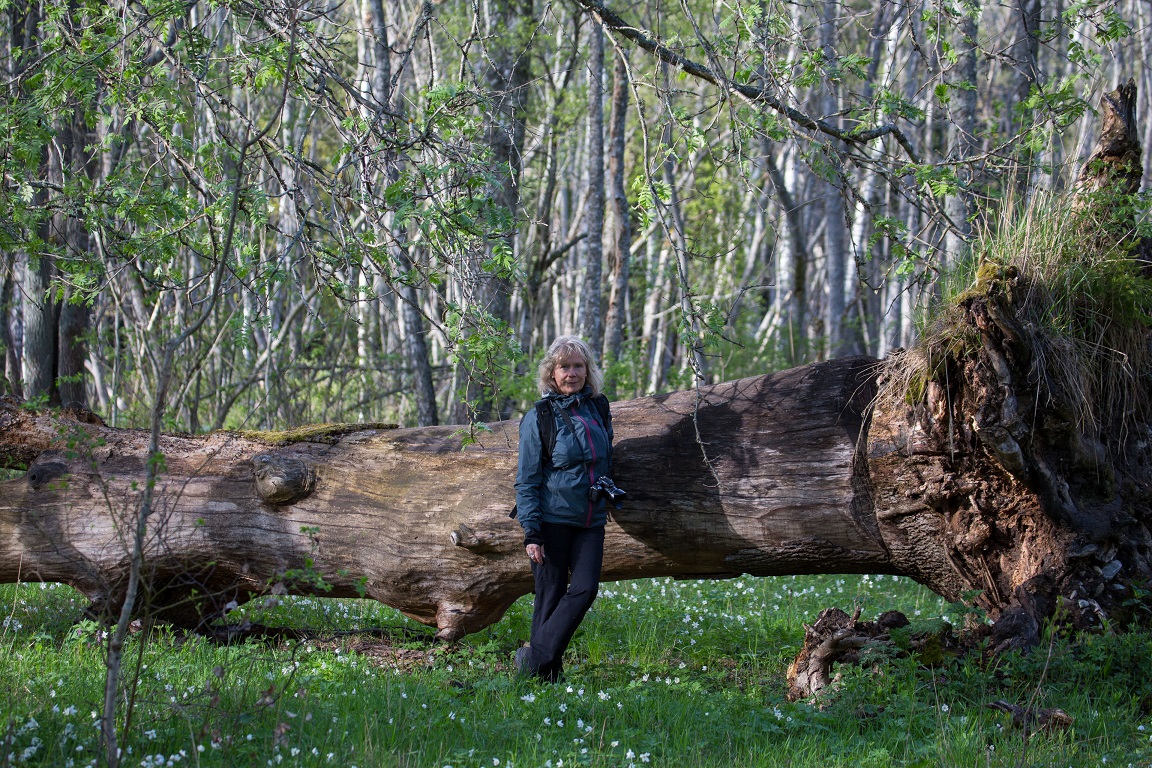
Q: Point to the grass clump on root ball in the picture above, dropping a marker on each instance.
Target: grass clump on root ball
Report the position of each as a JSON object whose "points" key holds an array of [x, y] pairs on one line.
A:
{"points": [[1066, 274]]}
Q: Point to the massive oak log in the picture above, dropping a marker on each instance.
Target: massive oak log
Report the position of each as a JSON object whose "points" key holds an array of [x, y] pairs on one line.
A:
{"points": [[758, 476]]}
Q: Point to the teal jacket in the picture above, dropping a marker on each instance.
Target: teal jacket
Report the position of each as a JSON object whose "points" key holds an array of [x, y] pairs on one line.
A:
{"points": [[557, 491]]}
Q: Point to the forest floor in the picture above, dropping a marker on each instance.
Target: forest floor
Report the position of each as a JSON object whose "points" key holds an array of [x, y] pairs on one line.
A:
{"points": [[662, 673]]}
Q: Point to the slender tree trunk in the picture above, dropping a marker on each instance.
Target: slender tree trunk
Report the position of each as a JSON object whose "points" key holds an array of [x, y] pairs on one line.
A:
{"points": [[73, 351], [1025, 52], [38, 346], [792, 272], [38, 356], [835, 227], [860, 288], [656, 311], [678, 240], [591, 321], [9, 310], [621, 242], [416, 349], [962, 124], [74, 313], [372, 44]]}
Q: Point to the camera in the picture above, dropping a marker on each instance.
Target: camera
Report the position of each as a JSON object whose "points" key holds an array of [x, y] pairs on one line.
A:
{"points": [[605, 488]]}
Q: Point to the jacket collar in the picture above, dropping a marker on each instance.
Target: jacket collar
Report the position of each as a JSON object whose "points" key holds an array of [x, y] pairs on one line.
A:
{"points": [[567, 401]]}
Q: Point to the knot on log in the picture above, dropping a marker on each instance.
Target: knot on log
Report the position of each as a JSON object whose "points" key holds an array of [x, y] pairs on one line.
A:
{"points": [[78, 412], [42, 473], [451, 621], [467, 538], [1006, 450], [282, 480]]}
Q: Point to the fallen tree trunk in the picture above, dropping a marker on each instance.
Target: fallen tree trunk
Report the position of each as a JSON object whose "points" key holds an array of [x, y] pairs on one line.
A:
{"points": [[780, 474], [758, 477]]}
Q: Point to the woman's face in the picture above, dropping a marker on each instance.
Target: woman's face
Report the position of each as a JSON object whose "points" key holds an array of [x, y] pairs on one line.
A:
{"points": [[569, 375]]}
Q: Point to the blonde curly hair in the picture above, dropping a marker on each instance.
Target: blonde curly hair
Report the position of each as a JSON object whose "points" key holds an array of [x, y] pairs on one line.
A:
{"points": [[566, 348]]}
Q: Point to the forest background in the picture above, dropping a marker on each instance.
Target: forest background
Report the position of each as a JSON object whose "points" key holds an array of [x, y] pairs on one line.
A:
{"points": [[384, 210]]}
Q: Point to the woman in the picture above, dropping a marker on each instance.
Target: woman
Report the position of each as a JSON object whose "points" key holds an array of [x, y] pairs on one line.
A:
{"points": [[563, 521]]}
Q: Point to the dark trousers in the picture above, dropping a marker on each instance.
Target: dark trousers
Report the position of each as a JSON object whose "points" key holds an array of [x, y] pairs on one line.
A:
{"points": [[566, 585]]}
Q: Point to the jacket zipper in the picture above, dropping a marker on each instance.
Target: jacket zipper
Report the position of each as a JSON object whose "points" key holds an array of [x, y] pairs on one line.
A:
{"points": [[592, 466]]}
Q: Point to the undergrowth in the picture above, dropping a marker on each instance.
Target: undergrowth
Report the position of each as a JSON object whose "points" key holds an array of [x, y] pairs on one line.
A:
{"points": [[662, 673]]}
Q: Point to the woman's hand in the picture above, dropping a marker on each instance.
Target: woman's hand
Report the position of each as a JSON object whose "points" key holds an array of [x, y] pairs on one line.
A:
{"points": [[535, 553]]}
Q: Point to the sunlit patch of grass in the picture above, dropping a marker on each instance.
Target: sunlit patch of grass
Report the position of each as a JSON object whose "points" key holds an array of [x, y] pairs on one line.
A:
{"points": [[662, 673]]}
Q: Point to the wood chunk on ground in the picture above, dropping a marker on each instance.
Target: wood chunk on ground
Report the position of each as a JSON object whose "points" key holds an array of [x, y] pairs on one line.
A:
{"points": [[837, 638]]}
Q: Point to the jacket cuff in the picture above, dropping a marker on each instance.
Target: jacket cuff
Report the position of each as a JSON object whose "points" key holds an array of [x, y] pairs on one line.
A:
{"points": [[533, 536]]}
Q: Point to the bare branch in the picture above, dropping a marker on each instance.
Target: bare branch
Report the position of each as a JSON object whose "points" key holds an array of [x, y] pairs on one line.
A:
{"points": [[750, 93]]}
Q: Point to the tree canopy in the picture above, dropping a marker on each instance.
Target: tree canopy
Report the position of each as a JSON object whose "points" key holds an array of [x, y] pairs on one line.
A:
{"points": [[378, 210]]}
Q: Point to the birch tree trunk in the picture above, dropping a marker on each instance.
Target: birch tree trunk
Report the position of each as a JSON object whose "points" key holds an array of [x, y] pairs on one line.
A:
{"points": [[792, 269], [591, 321], [621, 229]]}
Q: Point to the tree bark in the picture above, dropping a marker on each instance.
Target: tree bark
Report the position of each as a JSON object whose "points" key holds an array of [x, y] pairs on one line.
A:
{"points": [[9, 309], [965, 141], [591, 321], [835, 229], [621, 237], [792, 273], [74, 312], [1025, 52], [38, 352]]}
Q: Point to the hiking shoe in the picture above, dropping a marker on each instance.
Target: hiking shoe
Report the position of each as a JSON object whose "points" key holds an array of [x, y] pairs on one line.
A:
{"points": [[523, 661]]}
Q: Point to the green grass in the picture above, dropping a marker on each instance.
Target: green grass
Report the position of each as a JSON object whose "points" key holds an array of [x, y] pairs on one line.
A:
{"points": [[662, 673]]}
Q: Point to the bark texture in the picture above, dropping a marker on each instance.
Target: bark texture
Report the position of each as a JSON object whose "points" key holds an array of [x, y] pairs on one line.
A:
{"points": [[1114, 164]]}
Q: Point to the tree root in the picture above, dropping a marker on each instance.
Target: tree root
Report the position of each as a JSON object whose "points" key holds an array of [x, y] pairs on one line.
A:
{"points": [[837, 638]]}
